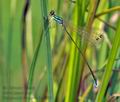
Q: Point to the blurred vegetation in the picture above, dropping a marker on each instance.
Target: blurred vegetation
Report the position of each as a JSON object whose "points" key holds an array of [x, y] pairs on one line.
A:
{"points": [[39, 62]]}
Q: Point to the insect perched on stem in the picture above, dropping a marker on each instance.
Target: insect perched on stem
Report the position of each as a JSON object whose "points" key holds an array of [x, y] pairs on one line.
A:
{"points": [[80, 32]]}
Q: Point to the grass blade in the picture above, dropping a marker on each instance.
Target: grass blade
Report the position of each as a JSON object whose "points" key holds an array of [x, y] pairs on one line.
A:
{"points": [[109, 65], [49, 54]]}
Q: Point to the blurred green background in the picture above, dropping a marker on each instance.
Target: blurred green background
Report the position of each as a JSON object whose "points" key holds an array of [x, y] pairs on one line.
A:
{"points": [[39, 62]]}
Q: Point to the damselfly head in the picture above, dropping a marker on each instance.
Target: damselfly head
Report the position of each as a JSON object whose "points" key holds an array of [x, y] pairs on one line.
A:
{"points": [[52, 13]]}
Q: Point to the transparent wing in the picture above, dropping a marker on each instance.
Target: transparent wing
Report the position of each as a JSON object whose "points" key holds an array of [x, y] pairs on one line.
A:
{"points": [[94, 38]]}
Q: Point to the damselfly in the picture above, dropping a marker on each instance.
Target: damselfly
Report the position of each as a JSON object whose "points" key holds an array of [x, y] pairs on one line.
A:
{"points": [[60, 21]]}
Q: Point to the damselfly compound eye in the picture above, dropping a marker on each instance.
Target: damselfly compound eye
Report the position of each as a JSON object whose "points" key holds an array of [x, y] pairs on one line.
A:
{"points": [[52, 13]]}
